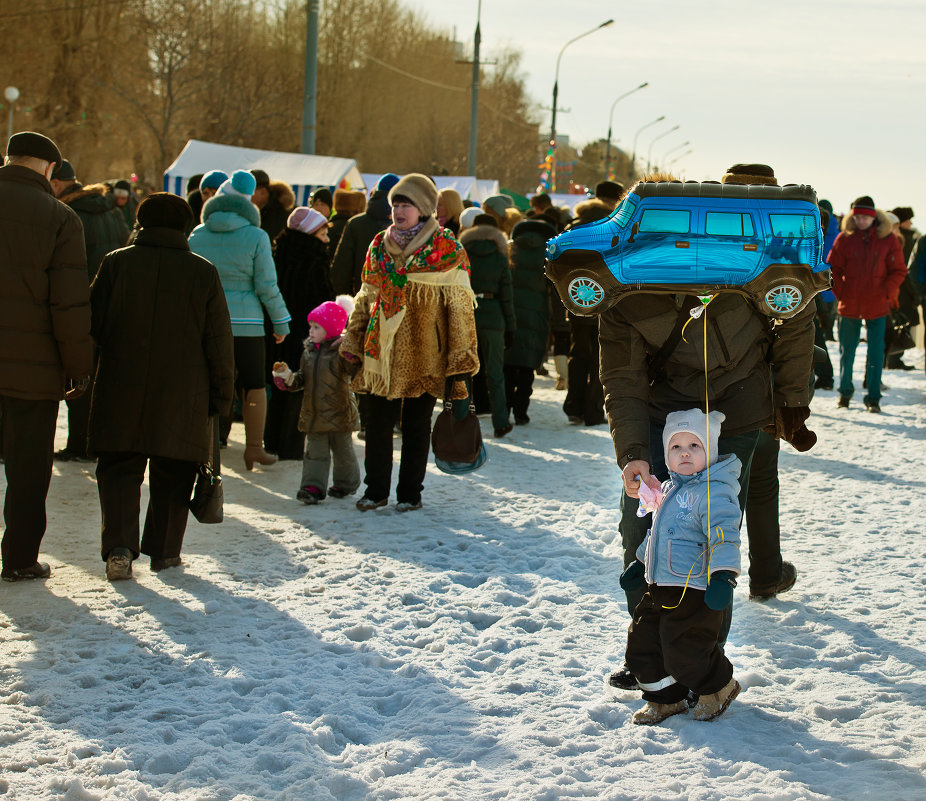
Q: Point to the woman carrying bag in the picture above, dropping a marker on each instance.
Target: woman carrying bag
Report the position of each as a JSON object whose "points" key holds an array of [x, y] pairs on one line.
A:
{"points": [[412, 328]]}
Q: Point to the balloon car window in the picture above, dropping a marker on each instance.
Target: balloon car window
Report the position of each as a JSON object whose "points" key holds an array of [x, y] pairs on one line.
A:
{"points": [[793, 224], [624, 212], [728, 224], [665, 221]]}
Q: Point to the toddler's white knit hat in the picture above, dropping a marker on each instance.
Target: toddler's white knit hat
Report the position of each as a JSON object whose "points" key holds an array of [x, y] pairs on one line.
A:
{"points": [[693, 421]]}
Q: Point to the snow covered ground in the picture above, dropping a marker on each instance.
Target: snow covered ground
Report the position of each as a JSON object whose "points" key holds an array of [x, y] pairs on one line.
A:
{"points": [[460, 652]]}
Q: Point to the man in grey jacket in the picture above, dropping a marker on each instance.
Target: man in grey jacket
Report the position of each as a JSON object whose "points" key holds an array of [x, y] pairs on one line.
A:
{"points": [[45, 347]]}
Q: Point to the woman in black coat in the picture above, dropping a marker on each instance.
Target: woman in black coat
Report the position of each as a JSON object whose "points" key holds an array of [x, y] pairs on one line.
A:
{"points": [[300, 254], [161, 324]]}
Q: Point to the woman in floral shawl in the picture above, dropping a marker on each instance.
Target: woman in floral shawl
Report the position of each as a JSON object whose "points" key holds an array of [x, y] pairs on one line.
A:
{"points": [[412, 327]]}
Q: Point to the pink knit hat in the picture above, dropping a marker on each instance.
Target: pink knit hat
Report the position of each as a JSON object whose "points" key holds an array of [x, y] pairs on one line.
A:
{"points": [[306, 220], [332, 315]]}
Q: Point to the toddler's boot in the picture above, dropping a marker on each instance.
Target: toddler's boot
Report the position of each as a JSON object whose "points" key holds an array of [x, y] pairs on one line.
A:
{"points": [[714, 705], [654, 713]]}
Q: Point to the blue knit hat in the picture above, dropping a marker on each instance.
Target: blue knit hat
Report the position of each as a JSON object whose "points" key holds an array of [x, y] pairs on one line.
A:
{"points": [[389, 180], [213, 179], [241, 183]]}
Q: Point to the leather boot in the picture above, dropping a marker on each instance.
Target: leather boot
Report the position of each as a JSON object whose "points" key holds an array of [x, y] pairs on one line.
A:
{"points": [[562, 373], [254, 412]]}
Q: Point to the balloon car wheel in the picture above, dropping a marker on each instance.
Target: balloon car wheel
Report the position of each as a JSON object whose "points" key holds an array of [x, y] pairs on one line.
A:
{"points": [[586, 293], [783, 298]]}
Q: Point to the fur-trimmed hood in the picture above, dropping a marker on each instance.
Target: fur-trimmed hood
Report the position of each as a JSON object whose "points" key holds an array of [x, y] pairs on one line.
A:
{"points": [[283, 193], [224, 207], [883, 225], [77, 193], [592, 210], [485, 233]]}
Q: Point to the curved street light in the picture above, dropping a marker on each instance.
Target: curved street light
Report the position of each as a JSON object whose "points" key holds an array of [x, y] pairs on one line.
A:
{"points": [[607, 150], [633, 157], [672, 150], [556, 92], [649, 153], [11, 93], [678, 158]]}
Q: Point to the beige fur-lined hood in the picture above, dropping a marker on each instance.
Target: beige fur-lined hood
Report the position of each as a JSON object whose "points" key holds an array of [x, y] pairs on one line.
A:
{"points": [[485, 233], [882, 223]]}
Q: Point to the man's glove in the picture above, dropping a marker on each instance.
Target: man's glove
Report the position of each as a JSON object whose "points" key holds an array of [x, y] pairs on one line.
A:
{"points": [[789, 426], [509, 339], [633, 578], [719, 593], [75, 388]]}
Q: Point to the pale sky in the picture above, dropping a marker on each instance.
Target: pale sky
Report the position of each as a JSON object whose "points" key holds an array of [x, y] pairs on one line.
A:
{"points": [[827, 92]]}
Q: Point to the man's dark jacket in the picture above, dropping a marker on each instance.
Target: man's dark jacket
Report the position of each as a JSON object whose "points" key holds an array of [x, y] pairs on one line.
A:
{"points": [[355, 241], [165, 349], [104, 224], [44, 298], [741, 351]]}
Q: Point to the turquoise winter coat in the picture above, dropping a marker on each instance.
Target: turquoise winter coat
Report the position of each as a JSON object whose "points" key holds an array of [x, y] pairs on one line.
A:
{"points": [[231, 238]]}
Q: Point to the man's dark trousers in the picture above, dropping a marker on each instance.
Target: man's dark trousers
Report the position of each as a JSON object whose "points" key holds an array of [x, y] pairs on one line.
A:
{"points": [[28, 443]]}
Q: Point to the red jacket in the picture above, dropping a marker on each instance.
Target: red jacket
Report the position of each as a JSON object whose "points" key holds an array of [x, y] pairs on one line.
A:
{"points": [[868, 268]]}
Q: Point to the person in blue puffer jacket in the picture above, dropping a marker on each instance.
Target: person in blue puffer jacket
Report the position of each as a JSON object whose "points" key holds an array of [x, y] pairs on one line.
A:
{"points": [[690, 560], [231, 238]]}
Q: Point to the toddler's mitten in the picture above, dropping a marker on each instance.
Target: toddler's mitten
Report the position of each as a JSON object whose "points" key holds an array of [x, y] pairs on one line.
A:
{"points": [[634, 577], [719, 591], [282, 375]]}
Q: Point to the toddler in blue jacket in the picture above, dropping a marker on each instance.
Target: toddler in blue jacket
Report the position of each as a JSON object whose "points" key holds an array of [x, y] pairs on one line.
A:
{"points": [[689, 560]]}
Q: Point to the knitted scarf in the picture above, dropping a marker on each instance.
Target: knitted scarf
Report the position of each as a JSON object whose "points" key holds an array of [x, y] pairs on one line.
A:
{"points": [[402, 238]]}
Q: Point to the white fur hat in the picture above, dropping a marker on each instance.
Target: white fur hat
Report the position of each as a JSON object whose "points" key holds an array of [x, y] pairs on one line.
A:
{"points": [[693, 421]]}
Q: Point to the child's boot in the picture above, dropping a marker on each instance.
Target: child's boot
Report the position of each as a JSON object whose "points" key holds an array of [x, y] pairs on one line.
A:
{"points": [[715, 704], [654, 713]]}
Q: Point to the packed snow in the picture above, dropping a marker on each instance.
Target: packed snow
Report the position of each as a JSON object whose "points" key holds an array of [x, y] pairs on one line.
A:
{"points": [[309, 653]]}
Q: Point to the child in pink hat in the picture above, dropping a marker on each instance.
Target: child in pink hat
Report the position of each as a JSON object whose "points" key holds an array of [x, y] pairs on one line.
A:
{"points": [[329, 414]]}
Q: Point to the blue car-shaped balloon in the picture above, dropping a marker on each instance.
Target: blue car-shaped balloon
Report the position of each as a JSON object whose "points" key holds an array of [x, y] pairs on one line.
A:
{"points": [[764, 242]]}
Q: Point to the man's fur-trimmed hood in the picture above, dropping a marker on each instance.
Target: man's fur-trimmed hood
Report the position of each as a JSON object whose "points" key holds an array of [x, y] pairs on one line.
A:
{"points": [[485, 233], [78, 192], [282, 193], [882, 226]]}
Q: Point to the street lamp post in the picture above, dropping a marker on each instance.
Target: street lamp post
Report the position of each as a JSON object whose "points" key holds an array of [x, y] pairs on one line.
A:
{"points": [[607, 150], [672, 150], [678, 158], [310, 92], [649, 153], [11, 93], [556, 93], [633, 157]]}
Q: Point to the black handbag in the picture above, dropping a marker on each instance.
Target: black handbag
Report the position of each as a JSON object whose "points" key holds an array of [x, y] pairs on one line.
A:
{"points": [[457, 442], [208, 495], [898, 335]]}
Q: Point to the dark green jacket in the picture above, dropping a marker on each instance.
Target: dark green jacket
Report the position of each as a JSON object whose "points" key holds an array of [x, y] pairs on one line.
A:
{"points": [[165, 349], [741, 351], [44, 295], [531, 293], [490, 277]]}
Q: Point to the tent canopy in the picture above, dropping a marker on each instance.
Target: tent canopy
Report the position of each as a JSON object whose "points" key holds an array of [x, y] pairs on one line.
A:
{"points": [[304, 173], [468, 186]]}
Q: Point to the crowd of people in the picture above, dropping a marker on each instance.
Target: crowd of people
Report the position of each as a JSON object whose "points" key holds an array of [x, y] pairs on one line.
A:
{"points": [[157, 318]]}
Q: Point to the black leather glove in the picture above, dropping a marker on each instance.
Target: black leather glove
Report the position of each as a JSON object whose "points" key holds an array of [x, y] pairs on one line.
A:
{"points": [[509, 339], [789, 426], [719, 593], [634, 577]]}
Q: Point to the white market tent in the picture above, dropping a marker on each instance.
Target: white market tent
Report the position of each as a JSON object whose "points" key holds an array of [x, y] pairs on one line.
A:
{"points": [[304, 173], [468, 186]]}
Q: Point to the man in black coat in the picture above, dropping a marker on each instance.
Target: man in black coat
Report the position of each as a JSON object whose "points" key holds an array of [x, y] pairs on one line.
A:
{"points": [[104, 231], [166, 364], [45, 342]]}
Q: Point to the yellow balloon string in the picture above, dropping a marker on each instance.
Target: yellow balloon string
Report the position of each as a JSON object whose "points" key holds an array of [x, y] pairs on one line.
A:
{"points": [[707, 451]]}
